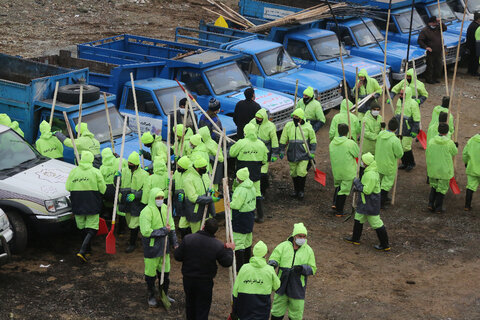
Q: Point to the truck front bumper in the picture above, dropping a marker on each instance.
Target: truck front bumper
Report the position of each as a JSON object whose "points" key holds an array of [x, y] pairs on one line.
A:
{"points": [[51, 224], [335, 102]]}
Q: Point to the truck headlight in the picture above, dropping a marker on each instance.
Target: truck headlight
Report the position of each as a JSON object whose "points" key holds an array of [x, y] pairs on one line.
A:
{"points": [[58, 204], [402, 66]]}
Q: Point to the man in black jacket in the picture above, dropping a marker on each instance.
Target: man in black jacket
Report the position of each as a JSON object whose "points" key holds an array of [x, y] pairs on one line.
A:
{"points": [[245, 111], [430, 39], [199, 253], [472, 56]]}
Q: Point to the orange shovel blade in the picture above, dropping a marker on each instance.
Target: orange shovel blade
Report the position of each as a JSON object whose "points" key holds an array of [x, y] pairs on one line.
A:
{"points": [[320, 177], [454, 186], [102, 227], [422, 138], [110, 242]]}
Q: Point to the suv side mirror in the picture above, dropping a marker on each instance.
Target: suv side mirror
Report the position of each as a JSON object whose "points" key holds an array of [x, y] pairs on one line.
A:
{"points": [[347, 40]]}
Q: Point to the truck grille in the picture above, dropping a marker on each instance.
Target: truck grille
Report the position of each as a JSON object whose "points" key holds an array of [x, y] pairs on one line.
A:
{"points": [[329, 95], [419, 62], [450, 54], [379, 78], [280, 118]]}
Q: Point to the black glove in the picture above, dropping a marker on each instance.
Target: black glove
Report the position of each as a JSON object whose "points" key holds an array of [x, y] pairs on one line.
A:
{"points": [[162, 232], [298, 269], [456, 144], [60, 136], [273, 263]]}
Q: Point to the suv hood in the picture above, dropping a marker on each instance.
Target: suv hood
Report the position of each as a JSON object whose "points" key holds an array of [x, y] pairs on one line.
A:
{"points": [[268, 99], [42, 182], [307, 78], [396, 51]]}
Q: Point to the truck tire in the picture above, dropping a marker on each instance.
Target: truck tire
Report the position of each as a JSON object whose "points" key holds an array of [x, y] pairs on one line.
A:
{"points": [[71, 93], [20, 232]]}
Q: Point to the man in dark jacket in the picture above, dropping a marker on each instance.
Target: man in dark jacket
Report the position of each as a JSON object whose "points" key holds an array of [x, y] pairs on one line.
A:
{"points": [[472, 54], [245, 111], [430, 39], [199, 253]]}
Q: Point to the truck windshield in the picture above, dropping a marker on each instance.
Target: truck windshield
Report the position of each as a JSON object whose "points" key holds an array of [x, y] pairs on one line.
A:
{"points": [[403, 20], [227, 79], [363, 33], [15, 152], [165, 97], [473, 5], [97, 124], [446, 11], [326, 47], [275, 61]]}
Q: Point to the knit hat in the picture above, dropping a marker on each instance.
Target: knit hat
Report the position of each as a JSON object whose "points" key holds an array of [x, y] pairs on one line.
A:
{"points": [[196, 139], [249, 92], [243, 174], [147, 138], [368, 158], [184, 162], [213, 104], [134, 158], [260, 249], [308, 92], [299, 228], [200, 163]]}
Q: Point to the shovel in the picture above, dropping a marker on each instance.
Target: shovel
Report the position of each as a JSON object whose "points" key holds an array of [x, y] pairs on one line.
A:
{"points": [[454, 186], [110, 240], [102, 227], [422, 138], [320, 176]]}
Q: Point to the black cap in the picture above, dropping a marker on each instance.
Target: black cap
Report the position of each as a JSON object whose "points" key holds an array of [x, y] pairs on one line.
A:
{"points": [[446, 101], [182, 102], [211, 226], [443, 128], [213, 104]]}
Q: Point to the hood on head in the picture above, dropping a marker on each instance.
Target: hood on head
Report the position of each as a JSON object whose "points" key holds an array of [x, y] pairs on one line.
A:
{"points": [[179, 131], [299, 228], [5, 119], [107, 156], [299, 113], [339, 140], [343, 105], [368, 158], [243, 174], [250, 132], [262, 113], [200, 163], [196, 139], [45, 129], [204, 132], [154, 193], [260, 249], [86, 158], [147, 138], [134, 158], [309, 92], [83, 129], [363, 73], [184, 162], [159, 165]]}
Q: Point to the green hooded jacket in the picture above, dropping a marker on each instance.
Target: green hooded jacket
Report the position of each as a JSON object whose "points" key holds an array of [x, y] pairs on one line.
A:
{"points": [[291, 135], [196, 188], [372, 129], [411, 114], [471, 156], [86, 141], [108, 168], [6, 121], [371, 87], [343, 152], [159, 179], [313, 110], [132, 183], [153, 227], [342, 117], [440, 152], [210, 144], [266, 131], [369, 187], [422, 92], [387, 150], [244, 197], [48, 145], [433, 125]]}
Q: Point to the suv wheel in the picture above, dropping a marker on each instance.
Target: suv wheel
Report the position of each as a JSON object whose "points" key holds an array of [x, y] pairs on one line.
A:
{"points": [[20, 232]]}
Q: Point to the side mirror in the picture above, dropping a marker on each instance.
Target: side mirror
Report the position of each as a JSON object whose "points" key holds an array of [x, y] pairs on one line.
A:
{"points": [[151, 108], [348, 40]]}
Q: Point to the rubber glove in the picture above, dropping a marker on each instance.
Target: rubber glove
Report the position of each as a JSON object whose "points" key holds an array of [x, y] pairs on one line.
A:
{"points": [[413, 134], [130, 197], [281, 155], [418, 101], [181, 197], [298, 269], [312, 155], [215, 199], [118, 174], [273, 159], [141, 151]]}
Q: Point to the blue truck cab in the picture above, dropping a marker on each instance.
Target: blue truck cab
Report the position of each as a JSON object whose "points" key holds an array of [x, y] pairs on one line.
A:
{"points": [[267, 64], [26, 95], [206, 72], [364, 39], [453, 23], [458, 6]]}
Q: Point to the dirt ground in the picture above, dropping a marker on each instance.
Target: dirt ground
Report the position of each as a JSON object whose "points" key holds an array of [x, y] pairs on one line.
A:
{"points": [[432, 272]]}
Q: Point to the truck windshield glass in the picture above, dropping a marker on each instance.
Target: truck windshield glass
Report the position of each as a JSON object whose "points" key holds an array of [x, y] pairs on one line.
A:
{"points": [[276, 60], [326, 47], [364, 35], [473, 5], [14, 151], [227, 79], [446, 11], [97, 124], [403, 20], [165, 97]]}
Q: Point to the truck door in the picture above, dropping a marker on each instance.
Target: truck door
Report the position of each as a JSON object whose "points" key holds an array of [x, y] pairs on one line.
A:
{"points": [[250, 68], [300, 53], [148, 112], [196, 84]]}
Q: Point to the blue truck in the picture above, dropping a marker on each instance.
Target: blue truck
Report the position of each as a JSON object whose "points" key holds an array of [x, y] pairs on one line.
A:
{"points": [[454, 24], [26, 95], [458, 6], [360, 37], [268, 65], [311, 48], [155, 95], [206, 72]]}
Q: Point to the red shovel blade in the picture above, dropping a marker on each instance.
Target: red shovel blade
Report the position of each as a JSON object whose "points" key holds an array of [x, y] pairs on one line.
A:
{"points": [[102, 227], [356, 159], [110, 241], [320, 177], [422, 138], [454, 186]]}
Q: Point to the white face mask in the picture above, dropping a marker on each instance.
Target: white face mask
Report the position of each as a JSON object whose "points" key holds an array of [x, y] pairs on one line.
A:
{"points": [[300, 241], [182, 110], [375, 113], [158, 202]]}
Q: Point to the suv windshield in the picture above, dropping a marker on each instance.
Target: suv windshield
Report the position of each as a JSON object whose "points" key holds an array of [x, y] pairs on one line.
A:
{"points": [[165, 97], [14, 151], [326, 47], [275, 61], [227, 79], [403, 20], [473, 5], [365, 32], [446, 11], [97, 124]]}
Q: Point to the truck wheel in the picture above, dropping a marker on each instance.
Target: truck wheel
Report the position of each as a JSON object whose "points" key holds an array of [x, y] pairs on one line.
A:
{"points": [[20, 232], [71, 93]]}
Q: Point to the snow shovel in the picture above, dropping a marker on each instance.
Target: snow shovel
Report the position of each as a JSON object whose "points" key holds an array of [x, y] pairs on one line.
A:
{"points": [[102, 227], [320, 176], [110, 240], [422, 138], [454, 186]]}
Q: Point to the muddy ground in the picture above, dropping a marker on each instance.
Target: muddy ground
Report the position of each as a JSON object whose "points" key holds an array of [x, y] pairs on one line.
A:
{"points": [[432, 272]]}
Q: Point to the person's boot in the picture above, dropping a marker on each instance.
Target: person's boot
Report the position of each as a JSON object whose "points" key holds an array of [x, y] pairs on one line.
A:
{"points": [[439, 202], [301, 187], [383, 199], [276, 318], [431, 200], [341, 205], [260, 214], [468, 200], [133, 239], [247, 255], [239, 258], [411, 161], [356, 234], [264, 183], [152, 301], [82, 254], [166, 284], [294, 194], [383, 237], [122, 224], [403, 166], [88, 252], [335, 193]]}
